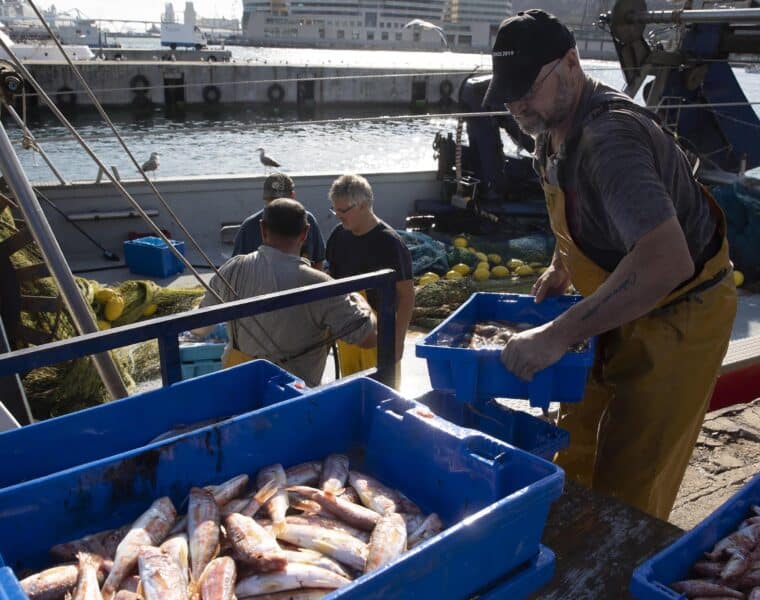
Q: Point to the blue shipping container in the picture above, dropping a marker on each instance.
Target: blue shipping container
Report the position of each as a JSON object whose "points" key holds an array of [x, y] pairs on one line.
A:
{"points": [[77, 438], [493, 499], [479, 373], [151, 256], [520, 429], [523, 582], [652, 579]]}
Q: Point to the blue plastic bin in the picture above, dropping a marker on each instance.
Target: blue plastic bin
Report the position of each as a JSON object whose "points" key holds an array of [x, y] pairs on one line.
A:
{"points": [[479, 373], [95, 433], [523, 582], [195, 352], [200, 359], [151, 256], [520, 429], [494, 499], [651, 580]]}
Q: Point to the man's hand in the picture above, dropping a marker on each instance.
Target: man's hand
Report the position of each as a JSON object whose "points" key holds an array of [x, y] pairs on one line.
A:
{"points": [[528, 352], [553, 282]]}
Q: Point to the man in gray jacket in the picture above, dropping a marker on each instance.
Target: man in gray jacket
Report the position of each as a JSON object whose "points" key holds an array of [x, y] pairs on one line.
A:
{"points": [[295, 338]]}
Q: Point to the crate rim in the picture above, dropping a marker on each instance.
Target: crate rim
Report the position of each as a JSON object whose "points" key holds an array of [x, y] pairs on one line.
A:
{"points": [[550, 486], [642, 580], [424, 349]]}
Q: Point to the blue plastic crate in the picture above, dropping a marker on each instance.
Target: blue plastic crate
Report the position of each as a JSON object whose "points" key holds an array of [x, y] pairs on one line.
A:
{"points": [[479, 373], [77, 438], [200, 367], [520, 429], [494, 499], [151, 256], [651, 580], [194, 352], [523, 582]]}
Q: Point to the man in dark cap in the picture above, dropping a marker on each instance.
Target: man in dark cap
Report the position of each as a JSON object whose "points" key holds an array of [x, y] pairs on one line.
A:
{"points": [[248, 239], [296, 338], [643, 242]]}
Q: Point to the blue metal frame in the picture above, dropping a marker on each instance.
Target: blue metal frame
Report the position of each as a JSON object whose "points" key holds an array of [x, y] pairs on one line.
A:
{"points": [[166, 329]]}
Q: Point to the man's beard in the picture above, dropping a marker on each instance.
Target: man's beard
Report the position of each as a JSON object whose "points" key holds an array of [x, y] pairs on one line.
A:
{"points": [[535, 124], [531, 123]]}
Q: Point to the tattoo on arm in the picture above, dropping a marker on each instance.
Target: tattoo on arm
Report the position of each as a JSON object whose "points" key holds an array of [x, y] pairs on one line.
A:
{"points": [[626, 284]]}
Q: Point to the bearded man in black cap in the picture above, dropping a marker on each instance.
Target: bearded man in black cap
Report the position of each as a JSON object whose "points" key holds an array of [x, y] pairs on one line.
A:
{"points": [[643, 242]]}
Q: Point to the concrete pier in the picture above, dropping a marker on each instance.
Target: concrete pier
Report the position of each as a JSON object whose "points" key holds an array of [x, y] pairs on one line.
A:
{"points": [[141, 83], [166, 54]]}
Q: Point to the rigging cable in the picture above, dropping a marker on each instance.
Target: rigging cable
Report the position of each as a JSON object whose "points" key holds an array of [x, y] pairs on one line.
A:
{"points": [[150, 183]]}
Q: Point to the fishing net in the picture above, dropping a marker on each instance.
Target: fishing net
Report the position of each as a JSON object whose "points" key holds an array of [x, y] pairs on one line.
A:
{"points": [[74, 385], [427, 254], [741, 204], [435, 301], [536, 248]]}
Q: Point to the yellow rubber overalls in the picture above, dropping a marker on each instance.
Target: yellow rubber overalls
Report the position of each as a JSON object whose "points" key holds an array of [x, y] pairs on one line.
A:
{"points": [[354, 358], [633, 434]]}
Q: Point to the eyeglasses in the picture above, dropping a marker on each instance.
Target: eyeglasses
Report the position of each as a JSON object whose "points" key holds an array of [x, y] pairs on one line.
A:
{"points": [[341, 211], [533, 90]]}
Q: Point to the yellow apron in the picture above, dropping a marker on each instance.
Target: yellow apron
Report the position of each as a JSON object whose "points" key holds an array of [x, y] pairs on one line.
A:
{"points": [[353, 359], [633, 434], [233, 356]]}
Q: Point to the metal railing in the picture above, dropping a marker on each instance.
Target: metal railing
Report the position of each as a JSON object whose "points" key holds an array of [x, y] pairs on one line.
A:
{"points": [[166, 329]]}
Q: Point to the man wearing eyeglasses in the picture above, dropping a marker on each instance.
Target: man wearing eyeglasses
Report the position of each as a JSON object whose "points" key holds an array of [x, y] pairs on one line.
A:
{"points": [[643, 242], [363, 243], [248, 238]]}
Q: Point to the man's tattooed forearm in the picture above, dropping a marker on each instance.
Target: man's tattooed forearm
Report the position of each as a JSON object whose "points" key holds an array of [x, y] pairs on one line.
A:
{"points": [[626, 284]]}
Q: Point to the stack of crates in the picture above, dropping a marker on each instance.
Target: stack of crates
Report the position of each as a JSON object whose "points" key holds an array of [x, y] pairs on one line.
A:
{"points": [[492, 498], [467, 383], [200, 358]]}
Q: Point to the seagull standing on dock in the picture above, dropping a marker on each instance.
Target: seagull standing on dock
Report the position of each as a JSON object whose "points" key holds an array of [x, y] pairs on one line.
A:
{"points": [[430, 26], [267, 161], [152, 163]]}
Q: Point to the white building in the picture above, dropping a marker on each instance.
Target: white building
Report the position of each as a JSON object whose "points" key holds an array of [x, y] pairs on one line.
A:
{"points": [[373, 23]]}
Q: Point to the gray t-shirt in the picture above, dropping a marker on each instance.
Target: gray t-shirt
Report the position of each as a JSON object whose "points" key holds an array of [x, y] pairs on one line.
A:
{"points": [[287, 332], [623, 178]]}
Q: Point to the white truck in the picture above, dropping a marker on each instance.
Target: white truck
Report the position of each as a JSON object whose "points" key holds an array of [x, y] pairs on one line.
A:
{"points": [[183, 35]]}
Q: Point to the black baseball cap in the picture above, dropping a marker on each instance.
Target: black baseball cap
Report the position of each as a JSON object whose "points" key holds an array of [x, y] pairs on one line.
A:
{"points": [[524, 43], [278, 185]]}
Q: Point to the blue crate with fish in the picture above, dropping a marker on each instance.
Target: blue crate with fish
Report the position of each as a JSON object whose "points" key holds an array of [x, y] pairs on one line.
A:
{"points": [[491, 499], [514, 427], [151, 256], [524, 581], [95, 433], [478, 372], [678, 562]]}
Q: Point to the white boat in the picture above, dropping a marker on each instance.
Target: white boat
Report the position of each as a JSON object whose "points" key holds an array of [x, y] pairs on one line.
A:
{"points": [[44, 51]]}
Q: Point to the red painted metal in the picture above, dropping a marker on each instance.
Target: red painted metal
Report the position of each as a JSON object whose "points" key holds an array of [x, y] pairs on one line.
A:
{"points": [[736, 387]]}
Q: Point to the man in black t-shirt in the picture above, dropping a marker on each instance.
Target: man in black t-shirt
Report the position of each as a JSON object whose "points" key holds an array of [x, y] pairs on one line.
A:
{"points": [[363, 243]]}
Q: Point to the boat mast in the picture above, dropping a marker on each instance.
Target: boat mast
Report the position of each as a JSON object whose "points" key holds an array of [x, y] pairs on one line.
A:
{"points": [[38, 225]]}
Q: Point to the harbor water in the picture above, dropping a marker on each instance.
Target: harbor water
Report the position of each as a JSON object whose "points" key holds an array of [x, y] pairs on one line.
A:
{"points": [[222, 141]]}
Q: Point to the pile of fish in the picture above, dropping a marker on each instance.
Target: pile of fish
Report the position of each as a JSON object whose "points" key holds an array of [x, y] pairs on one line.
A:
{"points": [[300, 533], [732, 569], [492, 334], [495, 334]]}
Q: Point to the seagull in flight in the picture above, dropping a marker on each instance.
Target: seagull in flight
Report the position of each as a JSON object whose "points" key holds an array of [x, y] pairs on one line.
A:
{"points": [[267, 161], [152, 163], [428, 25]]}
